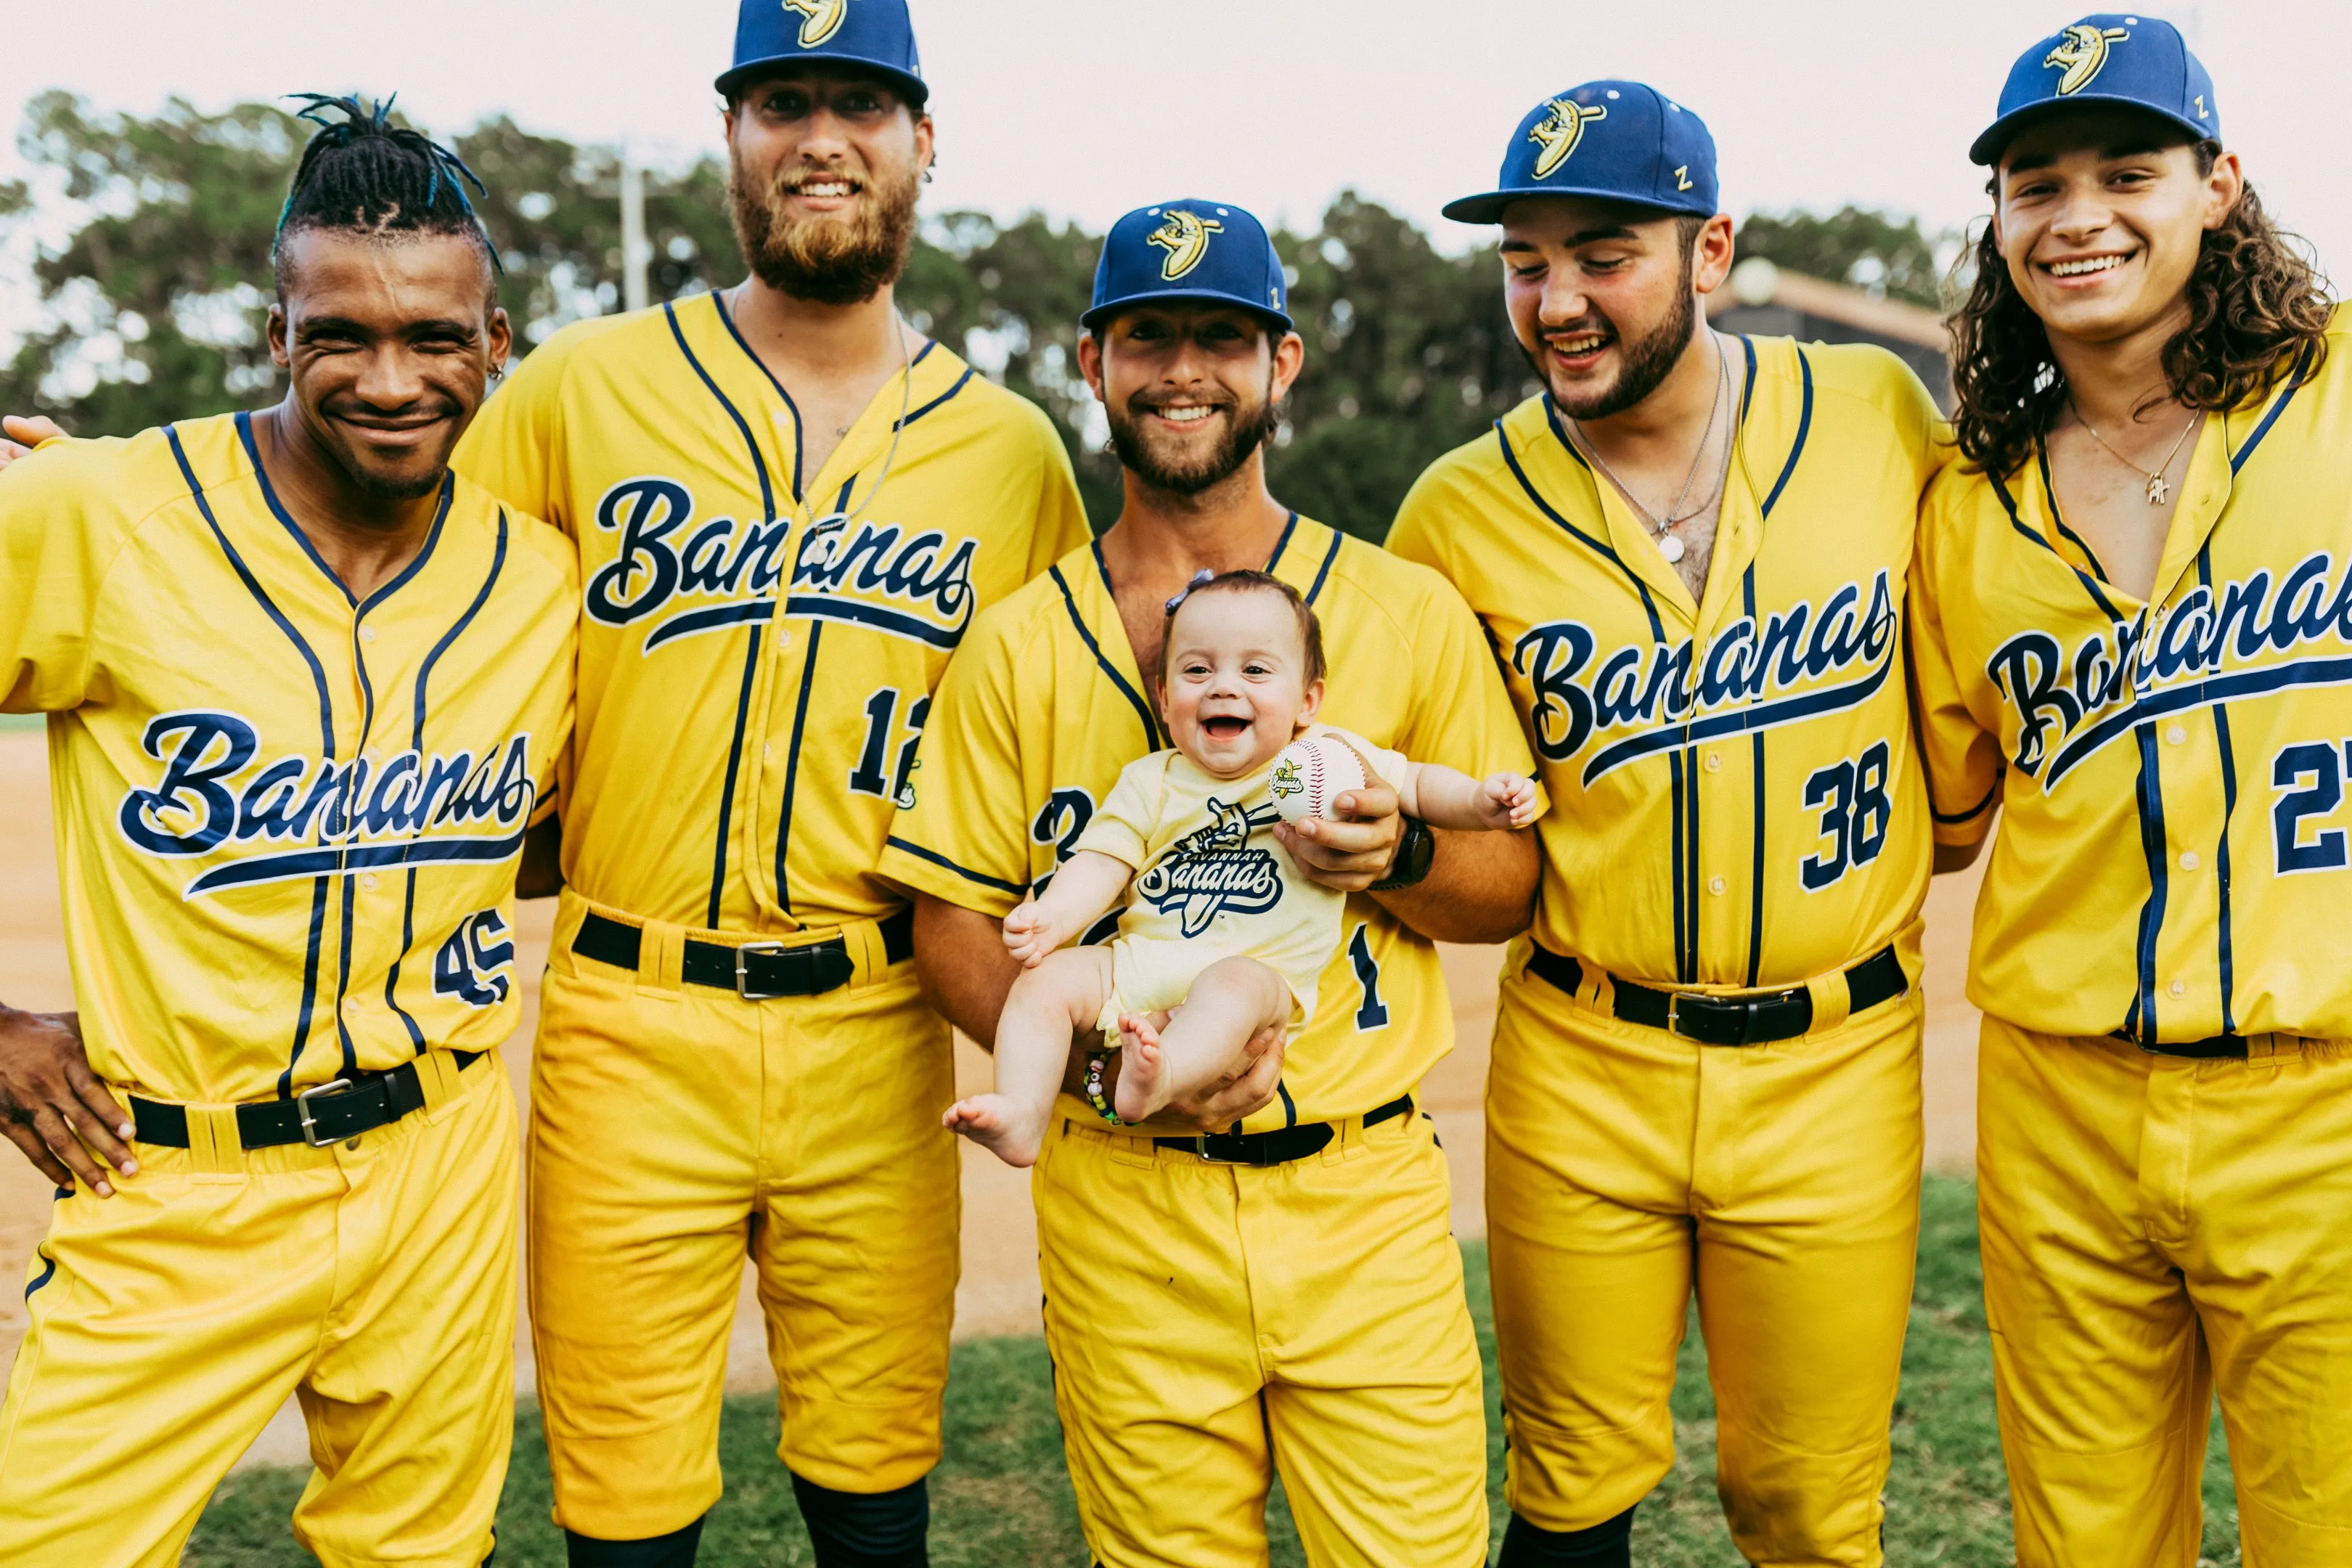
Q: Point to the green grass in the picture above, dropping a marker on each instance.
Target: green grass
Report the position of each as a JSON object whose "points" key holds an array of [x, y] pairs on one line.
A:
{"points": [[1000, 1500]]}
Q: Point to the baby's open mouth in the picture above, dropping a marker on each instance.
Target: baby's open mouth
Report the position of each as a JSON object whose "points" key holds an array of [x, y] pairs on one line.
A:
{"points": [[1225, 727]]}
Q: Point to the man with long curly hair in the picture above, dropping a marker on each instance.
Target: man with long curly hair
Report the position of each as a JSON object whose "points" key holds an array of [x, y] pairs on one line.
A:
{"points": [[2133, 635]]}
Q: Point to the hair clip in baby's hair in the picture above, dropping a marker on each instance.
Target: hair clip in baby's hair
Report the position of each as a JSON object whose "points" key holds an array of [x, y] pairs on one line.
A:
{"points": [[1202, 575]]}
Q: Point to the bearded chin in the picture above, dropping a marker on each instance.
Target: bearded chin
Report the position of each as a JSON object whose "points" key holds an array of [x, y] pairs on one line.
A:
{"points": [[1252, 428], [826, 262]]}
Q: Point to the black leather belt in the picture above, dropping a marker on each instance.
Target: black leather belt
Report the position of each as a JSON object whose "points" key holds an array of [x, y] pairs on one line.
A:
{"points": [[2217, 1046], [1751, 1020], [757, 971], [323, 1114], [1280, 1146]]}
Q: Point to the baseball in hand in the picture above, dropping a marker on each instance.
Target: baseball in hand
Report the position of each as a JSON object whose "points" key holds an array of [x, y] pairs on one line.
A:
{"points": [[1309, 774]]}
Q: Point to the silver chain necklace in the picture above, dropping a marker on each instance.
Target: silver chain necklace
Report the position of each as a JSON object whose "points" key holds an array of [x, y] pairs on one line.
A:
{"points": [[1668, 545]]}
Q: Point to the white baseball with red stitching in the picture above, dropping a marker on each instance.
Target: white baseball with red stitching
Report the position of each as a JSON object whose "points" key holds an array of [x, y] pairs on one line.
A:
{"points": [[1308, 775]]}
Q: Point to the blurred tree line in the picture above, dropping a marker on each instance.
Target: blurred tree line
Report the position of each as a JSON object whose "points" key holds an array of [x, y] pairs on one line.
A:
{"points": [[156, 300]]}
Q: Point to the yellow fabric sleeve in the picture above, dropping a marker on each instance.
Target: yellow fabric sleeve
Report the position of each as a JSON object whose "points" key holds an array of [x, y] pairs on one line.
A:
{"points": [[59, 532], [514, 447], [1461, 714], [1122, 827], [964, 838], [1963, 761]]}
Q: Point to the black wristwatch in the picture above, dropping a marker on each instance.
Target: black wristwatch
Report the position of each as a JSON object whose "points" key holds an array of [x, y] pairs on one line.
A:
{"points": [[1415, 852]]}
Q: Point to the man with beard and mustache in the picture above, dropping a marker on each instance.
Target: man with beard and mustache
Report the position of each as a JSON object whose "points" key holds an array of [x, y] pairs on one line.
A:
{"points": [[1279, 1293], [1690, 550], [788, 507]]}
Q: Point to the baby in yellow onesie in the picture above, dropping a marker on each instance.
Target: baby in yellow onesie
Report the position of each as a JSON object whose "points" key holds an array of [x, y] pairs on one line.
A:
{"points": [[1220, 926]]}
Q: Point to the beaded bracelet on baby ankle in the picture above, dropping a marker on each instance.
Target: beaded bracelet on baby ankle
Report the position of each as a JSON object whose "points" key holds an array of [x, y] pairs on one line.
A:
{"points": [[1099, 1062]]}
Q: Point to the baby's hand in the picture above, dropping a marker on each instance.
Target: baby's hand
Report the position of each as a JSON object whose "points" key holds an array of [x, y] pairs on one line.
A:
{"points": [[1030, 934], [1506, 800]]}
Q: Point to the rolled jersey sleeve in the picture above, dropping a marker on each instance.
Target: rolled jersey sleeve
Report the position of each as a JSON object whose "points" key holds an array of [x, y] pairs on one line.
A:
{"points": [[1963, 760], [58, 533], [964, 836]]}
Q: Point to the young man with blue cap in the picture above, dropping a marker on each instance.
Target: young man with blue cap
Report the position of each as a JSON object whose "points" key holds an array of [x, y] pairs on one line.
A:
{"points": [[1265, 1284], [1689, 551], [788, 507], [2133, 634]]}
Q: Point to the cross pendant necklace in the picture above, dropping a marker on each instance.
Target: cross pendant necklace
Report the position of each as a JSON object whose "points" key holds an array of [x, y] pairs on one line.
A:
{"points": [[2159, 488]]}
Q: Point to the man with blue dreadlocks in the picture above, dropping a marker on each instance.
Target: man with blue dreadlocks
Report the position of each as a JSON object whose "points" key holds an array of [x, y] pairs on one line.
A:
{"points": [[306, 691]]}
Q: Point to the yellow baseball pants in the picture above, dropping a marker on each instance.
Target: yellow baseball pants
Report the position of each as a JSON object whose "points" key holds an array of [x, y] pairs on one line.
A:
{"points": [[2154, 1228], [1213, 1324], [676, 1130], [1627, 1167], [170, 1322]]}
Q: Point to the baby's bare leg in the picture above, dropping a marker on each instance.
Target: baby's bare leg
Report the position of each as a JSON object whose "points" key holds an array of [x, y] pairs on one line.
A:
{"points": [[1229, 1002], [1047, 1006]]}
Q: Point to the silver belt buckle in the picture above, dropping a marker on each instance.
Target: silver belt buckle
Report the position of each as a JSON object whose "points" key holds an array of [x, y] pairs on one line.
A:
{"points": [[303, 1110], [1201, 1150], [742, 978]]}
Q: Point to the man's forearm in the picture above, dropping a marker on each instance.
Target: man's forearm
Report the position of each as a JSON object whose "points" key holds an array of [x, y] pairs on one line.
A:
{"points": [[1481, 888], [961, 964]]}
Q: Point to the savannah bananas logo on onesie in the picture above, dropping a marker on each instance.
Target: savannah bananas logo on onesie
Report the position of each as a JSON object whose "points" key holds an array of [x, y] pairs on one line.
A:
{"points": [[1185, 237], [1559, 134], [821, 19], [1213, 870], [2082, 52]]}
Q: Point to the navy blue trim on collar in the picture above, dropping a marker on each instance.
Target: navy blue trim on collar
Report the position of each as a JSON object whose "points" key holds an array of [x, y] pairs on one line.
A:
{"points": [[1324, 571], [2090, 585], [751, 442], [1069, 602], [719, 303], [959, 383], [2050, 491], [1804, 428], [2295, 384], [1597, 546], [1289, 526]]}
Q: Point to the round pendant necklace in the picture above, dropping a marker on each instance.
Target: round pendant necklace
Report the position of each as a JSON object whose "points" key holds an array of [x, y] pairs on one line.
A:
{"points": [[1668, 545], [2159, 488]]}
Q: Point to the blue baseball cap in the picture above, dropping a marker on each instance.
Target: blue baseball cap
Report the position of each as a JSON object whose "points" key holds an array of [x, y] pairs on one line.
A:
{"points": [[2139, 61], [1621, 141], [1189, 251], [877, 34]]}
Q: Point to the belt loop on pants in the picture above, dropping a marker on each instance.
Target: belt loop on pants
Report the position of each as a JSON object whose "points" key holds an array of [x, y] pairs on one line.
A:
{"points": [[1832, 1001], [661, 959]]}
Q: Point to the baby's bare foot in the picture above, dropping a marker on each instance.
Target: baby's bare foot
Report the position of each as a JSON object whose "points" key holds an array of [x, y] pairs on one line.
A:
{"points": [[1142, 1069], [999, 1122]]}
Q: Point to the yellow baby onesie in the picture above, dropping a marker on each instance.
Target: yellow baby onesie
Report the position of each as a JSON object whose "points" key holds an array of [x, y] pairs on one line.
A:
{"points": [[1211, 882]]}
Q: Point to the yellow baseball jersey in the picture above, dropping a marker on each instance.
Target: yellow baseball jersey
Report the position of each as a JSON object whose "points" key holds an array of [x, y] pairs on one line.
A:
{"points": [[2170, 773], [759, 642], [287, 819], [1213, 883], [1736, 802], [1045, 706]]}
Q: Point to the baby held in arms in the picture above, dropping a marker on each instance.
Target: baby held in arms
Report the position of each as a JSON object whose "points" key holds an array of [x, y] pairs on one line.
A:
{"points": [[1220, 925]]}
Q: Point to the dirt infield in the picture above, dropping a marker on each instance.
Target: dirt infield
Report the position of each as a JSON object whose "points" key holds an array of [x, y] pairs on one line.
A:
{"points": [[999, 1294]]}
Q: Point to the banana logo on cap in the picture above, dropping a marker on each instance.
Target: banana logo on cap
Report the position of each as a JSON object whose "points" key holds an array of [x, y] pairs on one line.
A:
{"points": [[1185, 237], [1559, 134], [823, 19], [2083, 50]]}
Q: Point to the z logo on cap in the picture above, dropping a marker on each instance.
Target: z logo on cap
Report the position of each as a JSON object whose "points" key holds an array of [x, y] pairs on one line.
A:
{"points": [[1559, 134], [1185, 237], [825, 19], [2083, 50]]}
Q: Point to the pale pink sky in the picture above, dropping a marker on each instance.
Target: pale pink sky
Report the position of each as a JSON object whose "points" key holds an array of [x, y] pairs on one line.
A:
{"points": [[1084, 108]]}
